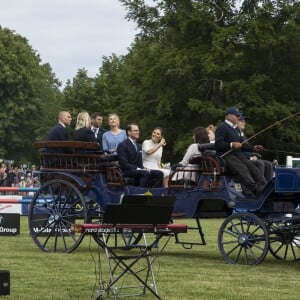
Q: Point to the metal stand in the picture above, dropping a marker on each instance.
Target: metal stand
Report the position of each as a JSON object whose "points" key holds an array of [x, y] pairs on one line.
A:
{"points": [[189, 244], [133, 265], [122, 235]]}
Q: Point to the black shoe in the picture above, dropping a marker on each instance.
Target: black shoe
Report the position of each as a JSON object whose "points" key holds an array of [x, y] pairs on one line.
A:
{"points": [[258, 192], [247, 197]]}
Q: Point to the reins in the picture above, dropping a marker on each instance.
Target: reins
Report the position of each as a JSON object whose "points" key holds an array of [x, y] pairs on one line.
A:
{"points": [[281, 151]]}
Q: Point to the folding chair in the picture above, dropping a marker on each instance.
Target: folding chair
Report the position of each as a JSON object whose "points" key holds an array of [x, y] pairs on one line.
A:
{"points": [[136, 214]]}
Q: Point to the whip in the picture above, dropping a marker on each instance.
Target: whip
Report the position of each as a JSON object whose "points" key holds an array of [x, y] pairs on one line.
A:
{"points": [[263, 130], [281, 151]]}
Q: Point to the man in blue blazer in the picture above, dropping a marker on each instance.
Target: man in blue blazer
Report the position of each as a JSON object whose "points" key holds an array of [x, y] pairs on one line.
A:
{"points": [[230, 146], [131, 163], [59, 131]]}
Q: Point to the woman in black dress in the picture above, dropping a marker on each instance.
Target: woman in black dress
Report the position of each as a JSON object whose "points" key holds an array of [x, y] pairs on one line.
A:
{"points": [[83, 130]]}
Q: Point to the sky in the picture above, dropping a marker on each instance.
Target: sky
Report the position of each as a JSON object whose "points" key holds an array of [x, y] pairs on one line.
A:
{"points": [[70, 34]]}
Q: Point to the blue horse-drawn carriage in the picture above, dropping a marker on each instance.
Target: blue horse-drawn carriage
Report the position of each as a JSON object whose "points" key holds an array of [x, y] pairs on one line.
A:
{"points": [[78, 185]]}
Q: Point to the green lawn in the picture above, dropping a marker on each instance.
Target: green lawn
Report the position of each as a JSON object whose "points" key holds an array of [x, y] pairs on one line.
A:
{"points": [[198, 273]]}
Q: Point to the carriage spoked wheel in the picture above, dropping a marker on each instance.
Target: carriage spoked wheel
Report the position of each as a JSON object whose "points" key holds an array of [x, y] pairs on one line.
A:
{"points": [[243, 239], [55, 208], [284, 240]]}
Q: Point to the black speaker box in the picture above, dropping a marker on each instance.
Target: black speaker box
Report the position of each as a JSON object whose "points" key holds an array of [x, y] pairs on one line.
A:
{"points": [[4, 282]]}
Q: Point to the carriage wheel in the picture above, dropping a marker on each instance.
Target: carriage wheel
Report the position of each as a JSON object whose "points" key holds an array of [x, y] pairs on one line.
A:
{"points": [[54, 209], [243, 239], [284, 241]]}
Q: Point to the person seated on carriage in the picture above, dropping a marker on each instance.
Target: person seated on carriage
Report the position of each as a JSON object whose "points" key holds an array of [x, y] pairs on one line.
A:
{"points": [[200, 136], [152, 150], [83, 131], [211, 129], [96, 126], [229, 147], [131, 163], [265, 166], [59, 131], [113, 137]]}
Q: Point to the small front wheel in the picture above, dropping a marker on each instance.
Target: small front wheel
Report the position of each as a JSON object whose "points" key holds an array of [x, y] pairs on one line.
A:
{"points": [[284, 240], [243, 239], [55, 208]]}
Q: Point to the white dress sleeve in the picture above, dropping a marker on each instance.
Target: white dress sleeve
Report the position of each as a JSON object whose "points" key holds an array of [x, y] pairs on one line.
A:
{"points": [[190, 152]]}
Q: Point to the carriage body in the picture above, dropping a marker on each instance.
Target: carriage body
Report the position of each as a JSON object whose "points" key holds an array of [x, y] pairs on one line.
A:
{"points": [[78, 182]]}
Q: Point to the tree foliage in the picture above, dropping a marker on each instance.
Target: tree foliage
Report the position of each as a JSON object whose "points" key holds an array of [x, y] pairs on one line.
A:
{"points": [[193, 59], [28, 91]]}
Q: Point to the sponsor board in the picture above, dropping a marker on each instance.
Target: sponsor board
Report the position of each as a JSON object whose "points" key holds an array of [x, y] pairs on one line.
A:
{"points": [[9, 224], [10, 208], [46, 226], [24, 209], [106, 230]]}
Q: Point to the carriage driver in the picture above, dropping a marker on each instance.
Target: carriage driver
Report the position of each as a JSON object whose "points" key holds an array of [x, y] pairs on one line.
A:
{"points": [[228, 144]]}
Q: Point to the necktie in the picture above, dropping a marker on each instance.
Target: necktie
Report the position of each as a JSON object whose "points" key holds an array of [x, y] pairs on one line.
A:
{"points": [[135, 146], [95, 131]]}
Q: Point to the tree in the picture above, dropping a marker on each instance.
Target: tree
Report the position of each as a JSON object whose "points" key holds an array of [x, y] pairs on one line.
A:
{"points": [[193, 59], [211, 55], [27, 87]]}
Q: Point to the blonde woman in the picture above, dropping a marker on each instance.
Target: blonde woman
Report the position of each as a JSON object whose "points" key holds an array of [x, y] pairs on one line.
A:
{"points": [[152, 152], [211, 129], [112, 138], [83, 130]]}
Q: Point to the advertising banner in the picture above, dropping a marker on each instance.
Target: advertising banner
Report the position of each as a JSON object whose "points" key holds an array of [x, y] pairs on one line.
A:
{"points": [[9, 224]]}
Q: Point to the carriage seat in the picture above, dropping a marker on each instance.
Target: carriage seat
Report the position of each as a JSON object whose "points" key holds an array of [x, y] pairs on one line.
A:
{"points": [[207, 147], [209, 150], [73, 156], [207, 163], [115, 177]]}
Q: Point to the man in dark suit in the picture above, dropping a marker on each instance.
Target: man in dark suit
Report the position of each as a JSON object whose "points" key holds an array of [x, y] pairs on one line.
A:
{"points": [[96, 122], [229, 146], [265, 166], [59, 131], [131, 163]]}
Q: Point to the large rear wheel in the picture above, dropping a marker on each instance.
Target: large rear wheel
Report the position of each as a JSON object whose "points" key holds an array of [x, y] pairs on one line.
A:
{"points": [[54, 209], [243, 239]]}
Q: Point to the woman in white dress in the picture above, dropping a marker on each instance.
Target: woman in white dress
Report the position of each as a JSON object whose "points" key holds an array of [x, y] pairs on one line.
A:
{"points": [[152, 152], [200, 136]]}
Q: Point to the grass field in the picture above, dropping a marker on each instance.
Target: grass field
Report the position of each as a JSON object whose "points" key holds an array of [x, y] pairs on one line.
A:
{"points": [[198, 273]]}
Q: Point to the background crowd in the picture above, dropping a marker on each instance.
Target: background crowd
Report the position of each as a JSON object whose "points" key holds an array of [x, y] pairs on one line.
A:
{"points": [[22, 176]]}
